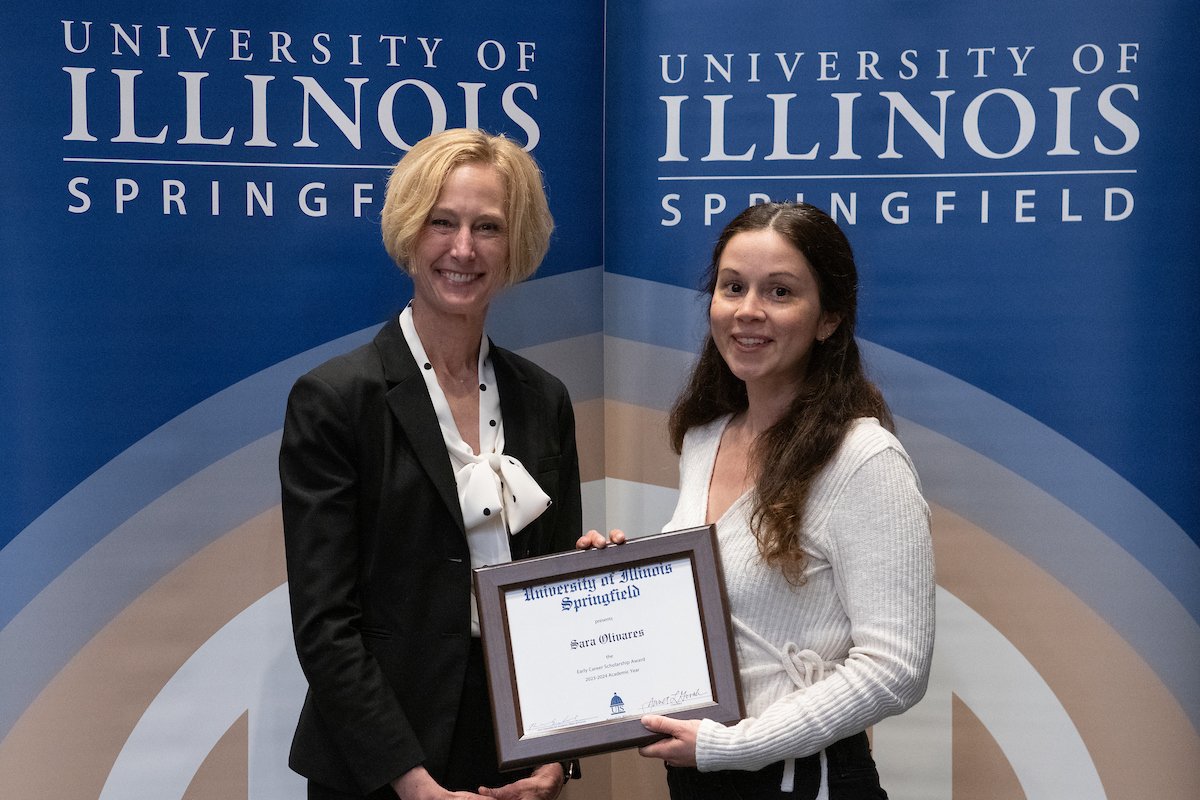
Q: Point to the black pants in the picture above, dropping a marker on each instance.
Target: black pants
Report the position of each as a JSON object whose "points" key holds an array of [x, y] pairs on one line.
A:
{"points": [[473, 759], [852, 776]]}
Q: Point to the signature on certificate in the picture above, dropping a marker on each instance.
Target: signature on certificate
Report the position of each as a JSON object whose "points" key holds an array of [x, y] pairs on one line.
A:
{"points": [[677, 698], [555, 724]]}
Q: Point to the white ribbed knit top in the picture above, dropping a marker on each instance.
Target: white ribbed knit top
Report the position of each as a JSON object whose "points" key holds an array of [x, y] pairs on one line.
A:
{"points": [[853, 644]]}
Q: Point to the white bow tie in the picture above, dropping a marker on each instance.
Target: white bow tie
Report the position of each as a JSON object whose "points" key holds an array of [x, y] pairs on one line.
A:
{"points": [[490, 482]]}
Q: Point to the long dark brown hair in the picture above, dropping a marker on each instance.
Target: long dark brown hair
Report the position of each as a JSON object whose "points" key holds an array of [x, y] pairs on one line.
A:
{"points": [[788, 456]]}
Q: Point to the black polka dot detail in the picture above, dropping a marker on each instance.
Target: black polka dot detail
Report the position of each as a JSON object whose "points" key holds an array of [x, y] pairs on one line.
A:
{"points": [[428, 365], [492, 423], [487, 512], [483, 387]]}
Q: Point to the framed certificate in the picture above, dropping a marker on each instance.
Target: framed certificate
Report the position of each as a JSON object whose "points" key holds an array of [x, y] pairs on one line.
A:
{"points": [[580, 645]]}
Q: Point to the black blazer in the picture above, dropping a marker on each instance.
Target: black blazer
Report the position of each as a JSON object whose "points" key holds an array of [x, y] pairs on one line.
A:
{"points": [[378, 567]]}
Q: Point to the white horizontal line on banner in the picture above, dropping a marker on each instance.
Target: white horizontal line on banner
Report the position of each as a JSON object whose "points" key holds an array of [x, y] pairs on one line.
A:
{"points": [[897, 175], [167, 163]]}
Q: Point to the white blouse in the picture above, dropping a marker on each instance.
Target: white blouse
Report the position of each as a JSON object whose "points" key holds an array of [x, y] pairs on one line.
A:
{"points": [[497, 494]]}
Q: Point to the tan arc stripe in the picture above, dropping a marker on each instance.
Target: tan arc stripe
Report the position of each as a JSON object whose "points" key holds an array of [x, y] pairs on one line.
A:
{"points": [[979, 769], [589, 439], [109, 684], [636, 447], [1140, 740], [66, 742]]}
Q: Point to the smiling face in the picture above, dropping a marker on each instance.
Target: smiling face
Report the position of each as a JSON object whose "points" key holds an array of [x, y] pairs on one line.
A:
{"points": [[766, 312], [460, 260]]}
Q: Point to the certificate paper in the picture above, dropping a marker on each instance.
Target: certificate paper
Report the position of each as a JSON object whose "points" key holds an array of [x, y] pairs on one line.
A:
{"points": [[579, 646], [608, 646]]}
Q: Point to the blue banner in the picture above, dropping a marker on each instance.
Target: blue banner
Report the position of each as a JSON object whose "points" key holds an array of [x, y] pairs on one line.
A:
{"points": [[190, 201]]}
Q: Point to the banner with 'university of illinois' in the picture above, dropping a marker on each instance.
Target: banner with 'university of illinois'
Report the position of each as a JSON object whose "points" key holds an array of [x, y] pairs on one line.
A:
{"points": [[1019, 183], [189, 219], [191, 198]]}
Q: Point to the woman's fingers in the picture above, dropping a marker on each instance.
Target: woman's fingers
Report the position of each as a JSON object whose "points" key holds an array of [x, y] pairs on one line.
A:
{"points": [[596, 540]]}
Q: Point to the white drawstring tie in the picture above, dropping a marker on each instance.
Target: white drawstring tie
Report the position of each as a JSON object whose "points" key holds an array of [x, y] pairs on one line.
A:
{"points": [[804, 668]]}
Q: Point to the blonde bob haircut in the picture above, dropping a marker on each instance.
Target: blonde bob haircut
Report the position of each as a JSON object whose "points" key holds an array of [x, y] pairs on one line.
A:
{"points": [[416, 183]]}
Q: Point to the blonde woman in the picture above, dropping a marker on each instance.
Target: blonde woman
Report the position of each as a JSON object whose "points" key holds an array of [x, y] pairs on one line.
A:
{"points": [[405, 463]]}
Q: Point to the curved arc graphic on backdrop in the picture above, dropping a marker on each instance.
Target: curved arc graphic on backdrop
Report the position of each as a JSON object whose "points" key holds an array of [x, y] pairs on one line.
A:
{"points": [[63, 559], [231, 419], [992, 480], [38, 667], [674, 318], [111, 574], [977, 663], [1045, 458], [249, 665], [249, 689], [211, 430], [1069, 548]]}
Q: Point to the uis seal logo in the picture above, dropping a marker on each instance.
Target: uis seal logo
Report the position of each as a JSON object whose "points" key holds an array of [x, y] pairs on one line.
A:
{"points": [[616, 705]]}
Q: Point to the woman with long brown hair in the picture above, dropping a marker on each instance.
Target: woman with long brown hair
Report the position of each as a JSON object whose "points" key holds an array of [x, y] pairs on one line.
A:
{"points": [[824, 535]]}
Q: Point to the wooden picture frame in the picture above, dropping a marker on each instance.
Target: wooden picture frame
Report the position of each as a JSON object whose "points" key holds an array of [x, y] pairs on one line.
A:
{"points": [[539, 605]]}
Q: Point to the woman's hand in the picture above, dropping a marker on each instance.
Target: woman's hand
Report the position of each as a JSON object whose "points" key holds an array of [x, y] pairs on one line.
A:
{"points": [[544, 784], [677, 751], [594, 539], [417, 784]]}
